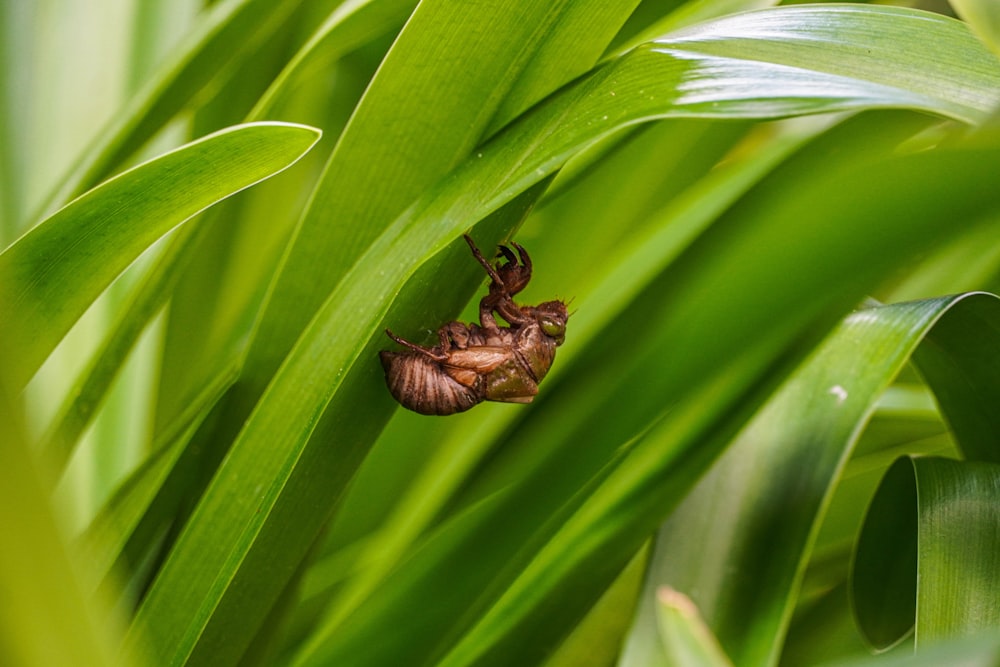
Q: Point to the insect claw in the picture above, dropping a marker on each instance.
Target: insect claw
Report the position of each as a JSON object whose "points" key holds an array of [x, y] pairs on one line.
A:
{"points": [[523, 254], [513, 276], [507, 253]]}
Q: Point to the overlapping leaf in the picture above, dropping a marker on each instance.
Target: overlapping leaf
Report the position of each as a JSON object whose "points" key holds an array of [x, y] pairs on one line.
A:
{"points": [[739, 542], [562, 519], [645, 83], [52, 274]]}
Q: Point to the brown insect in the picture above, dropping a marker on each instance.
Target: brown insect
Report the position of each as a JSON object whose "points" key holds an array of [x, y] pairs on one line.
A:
{"points": [[473, 363]]}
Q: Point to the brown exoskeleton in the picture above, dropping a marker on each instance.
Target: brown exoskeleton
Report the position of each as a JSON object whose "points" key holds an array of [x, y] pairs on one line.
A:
{"points": [[473, 363]]}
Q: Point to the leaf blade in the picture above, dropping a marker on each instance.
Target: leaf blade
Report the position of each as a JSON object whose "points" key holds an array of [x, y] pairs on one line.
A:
{"points": [[52, 274]]}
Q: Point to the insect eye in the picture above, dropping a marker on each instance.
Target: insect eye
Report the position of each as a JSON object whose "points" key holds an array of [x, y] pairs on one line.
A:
{"points": [[553, 328]]}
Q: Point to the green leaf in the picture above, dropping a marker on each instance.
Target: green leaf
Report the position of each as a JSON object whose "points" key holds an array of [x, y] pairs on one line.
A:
{"points": [[55, 271], [983, 16], [86, 395], [697, 11], [351, 25], [47, 616], [959, 360], [437, 112], [134, 517], [928, 558], [348, 26], [15, 35], [695, 307], [224, 37], [928, 549], [881, 46], [739, 542], [975, 652], [686, 639], [310, 407], [596, 641]]}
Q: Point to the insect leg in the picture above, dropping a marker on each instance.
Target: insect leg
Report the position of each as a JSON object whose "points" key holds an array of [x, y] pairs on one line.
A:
{"points": [[436, 356], [499, 298], [486, 307], [523, 254], [511, 312], [515, 274], [494, 276], [444, 338], [508, 253]]}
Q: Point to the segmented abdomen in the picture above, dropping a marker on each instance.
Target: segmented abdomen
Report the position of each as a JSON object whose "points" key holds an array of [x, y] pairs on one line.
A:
{"points": [[421, 385]]}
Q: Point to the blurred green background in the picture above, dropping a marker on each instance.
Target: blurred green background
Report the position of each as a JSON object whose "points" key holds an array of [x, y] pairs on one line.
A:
{"points": [[769, 439]]}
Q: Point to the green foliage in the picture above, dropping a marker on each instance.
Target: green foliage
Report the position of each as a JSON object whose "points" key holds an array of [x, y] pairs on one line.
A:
{"points": [[716, 189], [56, 270]]}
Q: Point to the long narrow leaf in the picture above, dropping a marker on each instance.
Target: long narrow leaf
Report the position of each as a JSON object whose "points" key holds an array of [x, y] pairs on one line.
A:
{"points": [[414, 110], [649, 482], [927, 558], [47, 617], [739, 542], [694, 307], [224, 36], [349, 25], [274, 483], [52, 274], [983, 17]]}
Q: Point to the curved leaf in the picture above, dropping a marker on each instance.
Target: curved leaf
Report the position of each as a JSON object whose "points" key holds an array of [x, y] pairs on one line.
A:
{"points": [[759, 508], [960, 361], [347, 27], [928, 558], [308, 405], [884, 47], [224, 37], [694, 307], [983, 17], [437, 113], [136, 514], [54, 272]]}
